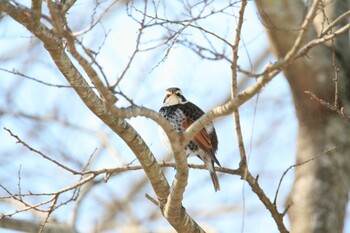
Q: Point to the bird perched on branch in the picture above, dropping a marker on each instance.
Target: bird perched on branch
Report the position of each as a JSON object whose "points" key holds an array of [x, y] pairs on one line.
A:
{"points": [[181, 113]]}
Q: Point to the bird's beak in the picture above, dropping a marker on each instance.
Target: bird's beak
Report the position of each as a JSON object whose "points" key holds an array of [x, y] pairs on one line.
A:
{"points": [[172, 99]]}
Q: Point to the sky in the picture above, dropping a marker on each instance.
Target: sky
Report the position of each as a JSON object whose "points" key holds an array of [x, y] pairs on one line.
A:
{"points": [[72, 133]]}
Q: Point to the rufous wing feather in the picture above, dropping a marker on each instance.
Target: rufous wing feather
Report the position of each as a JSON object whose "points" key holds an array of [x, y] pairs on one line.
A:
{"points": [[201, 139]]}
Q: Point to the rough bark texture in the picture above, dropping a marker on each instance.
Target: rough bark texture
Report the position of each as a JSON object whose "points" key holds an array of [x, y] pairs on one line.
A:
{"points": [[54, 45], [320, 191]]}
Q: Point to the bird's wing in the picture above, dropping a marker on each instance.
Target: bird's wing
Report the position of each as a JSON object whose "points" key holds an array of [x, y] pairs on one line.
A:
{"points": [[201, 138]]}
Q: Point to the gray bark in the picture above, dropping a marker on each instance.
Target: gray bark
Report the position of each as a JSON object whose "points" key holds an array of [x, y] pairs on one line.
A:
{"points": [[320, 191]]}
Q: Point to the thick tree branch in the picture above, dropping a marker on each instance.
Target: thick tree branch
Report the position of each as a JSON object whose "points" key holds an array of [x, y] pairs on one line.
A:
{"points": [[102, 109], [31, 226], [54, 46]]}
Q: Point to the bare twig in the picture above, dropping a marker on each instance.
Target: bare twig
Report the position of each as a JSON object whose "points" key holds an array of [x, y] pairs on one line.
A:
{"points": [[340, 111], [326, 152], [154, 201], [94, 22], [334, 23], [40, 153], [335, 78], [15, 72], [278, 217], [136, 50], [19, 183], [50, 210], [234, 93], [306, 48], [27, 205]]}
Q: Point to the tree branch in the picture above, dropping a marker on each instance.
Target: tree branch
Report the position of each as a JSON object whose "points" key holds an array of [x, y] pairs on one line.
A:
{"points": [[278, 217], [36, 8], [105, 110], [340, 111], [334, 23], [32, 226], [40, 153], [234, 91], [54, 46]]}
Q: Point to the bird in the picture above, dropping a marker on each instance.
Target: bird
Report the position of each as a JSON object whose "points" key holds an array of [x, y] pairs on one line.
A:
{"points": [[181, 113]]}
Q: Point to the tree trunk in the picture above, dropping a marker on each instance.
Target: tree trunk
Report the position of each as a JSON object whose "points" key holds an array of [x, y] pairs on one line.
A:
{"points": [[320, 190]]}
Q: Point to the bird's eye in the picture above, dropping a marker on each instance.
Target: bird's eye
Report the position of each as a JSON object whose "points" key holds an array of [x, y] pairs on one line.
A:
{"points": [[178, 94], [167, 95]]}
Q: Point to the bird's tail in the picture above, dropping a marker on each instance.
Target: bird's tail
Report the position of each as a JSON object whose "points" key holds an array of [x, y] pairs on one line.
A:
{"points": [[209, 163], [215, 179]]}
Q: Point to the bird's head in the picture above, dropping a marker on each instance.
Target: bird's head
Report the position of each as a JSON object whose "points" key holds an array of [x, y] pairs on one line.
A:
{"points": [[173, 96]]}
